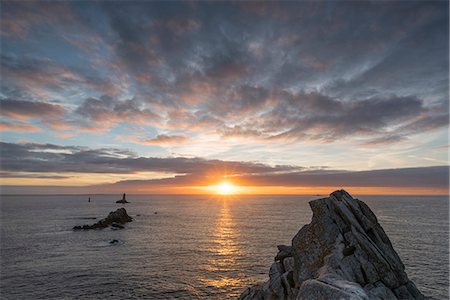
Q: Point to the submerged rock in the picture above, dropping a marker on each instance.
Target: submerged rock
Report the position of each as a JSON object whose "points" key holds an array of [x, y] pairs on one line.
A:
{"points": [[123, 200], [114, 218], [343, 253]]}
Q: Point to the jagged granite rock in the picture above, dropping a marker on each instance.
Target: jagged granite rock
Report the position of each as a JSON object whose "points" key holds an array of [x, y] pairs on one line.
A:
{"points": [[343, 253], [283, 252], [114, 218]]}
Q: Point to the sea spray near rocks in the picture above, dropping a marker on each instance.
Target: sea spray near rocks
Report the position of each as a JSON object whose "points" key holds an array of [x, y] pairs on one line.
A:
{"points": [[343, 253]]}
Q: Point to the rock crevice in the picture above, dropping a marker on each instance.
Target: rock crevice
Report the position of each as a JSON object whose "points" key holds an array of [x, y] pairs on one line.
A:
{"points": [[343, 253]]}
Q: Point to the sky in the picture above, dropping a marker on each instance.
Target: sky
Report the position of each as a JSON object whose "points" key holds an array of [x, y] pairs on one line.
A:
{"points": [[274, 97]]}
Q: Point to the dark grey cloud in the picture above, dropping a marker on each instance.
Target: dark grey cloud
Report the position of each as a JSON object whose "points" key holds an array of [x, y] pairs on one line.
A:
{"points": [[93, 114], [315, 116], [423, 177], [22, 17], [44, 158], [32, 75], [393, 72], [364, 117], [106, 111], [25, 175], [20, 109], [432, 177]]}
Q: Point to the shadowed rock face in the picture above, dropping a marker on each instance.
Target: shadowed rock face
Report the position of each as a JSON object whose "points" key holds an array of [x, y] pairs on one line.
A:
{"points": [[343, 253], [114, 218], [123, 200]]}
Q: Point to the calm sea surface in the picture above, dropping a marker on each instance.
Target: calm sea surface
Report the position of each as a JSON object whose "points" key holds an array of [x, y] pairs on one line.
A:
{"points": [[195, 247]]}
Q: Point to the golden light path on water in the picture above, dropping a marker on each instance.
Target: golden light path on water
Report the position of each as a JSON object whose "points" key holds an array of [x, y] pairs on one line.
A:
{"points": [[225, 249]]}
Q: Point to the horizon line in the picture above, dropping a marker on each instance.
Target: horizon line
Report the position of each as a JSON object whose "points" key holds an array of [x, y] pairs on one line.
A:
{"points": [[223, 196]]}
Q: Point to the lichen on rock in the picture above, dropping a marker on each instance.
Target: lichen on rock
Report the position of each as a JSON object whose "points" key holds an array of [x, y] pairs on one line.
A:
{"points": [[343, 253]]}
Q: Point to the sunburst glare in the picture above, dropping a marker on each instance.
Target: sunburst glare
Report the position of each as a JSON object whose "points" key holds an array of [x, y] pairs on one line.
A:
{"points": [[225, 188]]}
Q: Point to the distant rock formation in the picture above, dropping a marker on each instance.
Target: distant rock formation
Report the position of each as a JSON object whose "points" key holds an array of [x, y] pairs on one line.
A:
{"points": [[343, 253], [123, 200], [114, 218]]}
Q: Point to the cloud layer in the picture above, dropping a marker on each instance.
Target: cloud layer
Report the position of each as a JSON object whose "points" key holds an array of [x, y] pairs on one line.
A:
{"points": [[37, 160], [195, 86], [43, 158], [316, 71]]}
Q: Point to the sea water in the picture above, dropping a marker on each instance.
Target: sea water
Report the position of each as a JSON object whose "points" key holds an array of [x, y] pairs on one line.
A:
{"points": [[188, 247]]}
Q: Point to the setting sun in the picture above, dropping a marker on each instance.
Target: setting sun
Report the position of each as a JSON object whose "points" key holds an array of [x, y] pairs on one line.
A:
{"points": [[225, 188]]}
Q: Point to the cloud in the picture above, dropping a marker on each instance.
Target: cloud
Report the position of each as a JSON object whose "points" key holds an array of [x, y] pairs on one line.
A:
{"points": [[163, 139], [435, 177], [25, 175], [104, 112], [23, 110], [36, 160], [179, 26], [24, 16], [239, 132], [44, 158], [383, 140], [430, 177], [318, 117], [44, 77], [250, 113], [19, 127], [297, 73], [26, 113]]}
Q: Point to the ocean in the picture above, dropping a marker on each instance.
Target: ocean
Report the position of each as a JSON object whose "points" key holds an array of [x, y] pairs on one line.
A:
{"points": [[189, 247]]}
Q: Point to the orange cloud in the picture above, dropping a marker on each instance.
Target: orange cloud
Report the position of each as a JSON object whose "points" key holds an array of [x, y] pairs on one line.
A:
{"points": [[5, 126], [24, 110], [163, 139]]}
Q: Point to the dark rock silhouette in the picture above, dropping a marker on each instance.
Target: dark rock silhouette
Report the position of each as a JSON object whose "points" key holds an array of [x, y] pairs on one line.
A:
{"points": [[114, 218], [117, 226], [123, 200], [343, 253]]}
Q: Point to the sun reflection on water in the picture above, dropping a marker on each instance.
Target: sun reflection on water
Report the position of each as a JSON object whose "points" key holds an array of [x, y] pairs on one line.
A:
{"points": [[224, 252]]}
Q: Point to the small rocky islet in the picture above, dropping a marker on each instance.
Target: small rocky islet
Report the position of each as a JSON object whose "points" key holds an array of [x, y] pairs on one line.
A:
{"points": [[123, 200], [115, 219], [343, 253]]}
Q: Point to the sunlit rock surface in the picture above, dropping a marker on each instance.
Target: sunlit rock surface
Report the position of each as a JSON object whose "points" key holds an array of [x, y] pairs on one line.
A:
{"points": [[343, 253]]}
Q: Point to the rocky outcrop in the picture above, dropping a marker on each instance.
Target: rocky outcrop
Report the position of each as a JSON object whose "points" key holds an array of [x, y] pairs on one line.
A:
{"points": [[123, 200], [343, 253], [114, 218]]}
